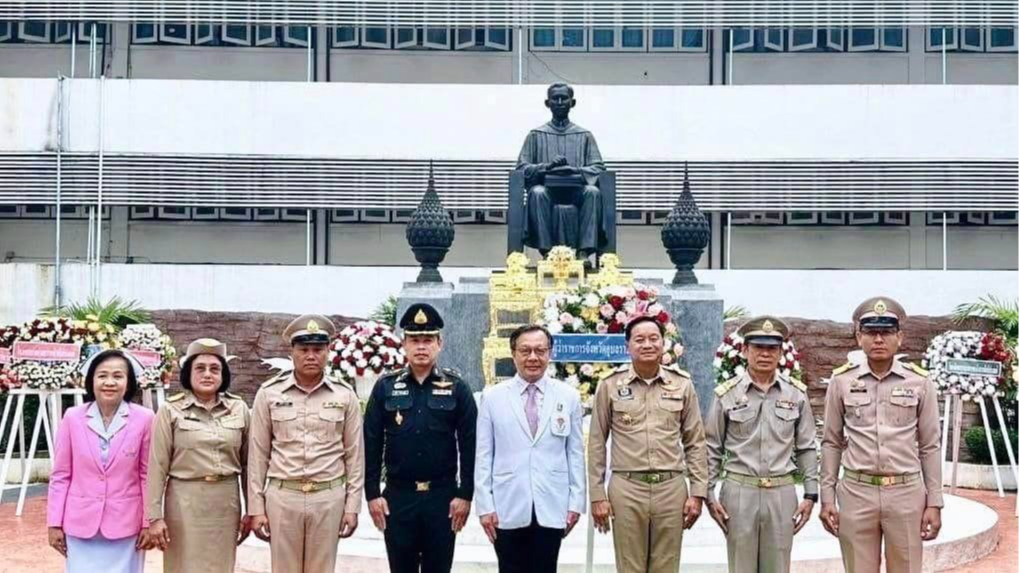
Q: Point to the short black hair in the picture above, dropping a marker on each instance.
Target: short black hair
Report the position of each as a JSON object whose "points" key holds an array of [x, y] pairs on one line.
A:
{"points": [[185, 372], [548, 92], [640, 320], [104, 356], [525, 329]]}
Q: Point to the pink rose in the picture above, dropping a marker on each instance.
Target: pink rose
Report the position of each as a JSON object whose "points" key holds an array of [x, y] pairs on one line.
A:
{"points": [[602, 328], [565, 319], [607, 311]]}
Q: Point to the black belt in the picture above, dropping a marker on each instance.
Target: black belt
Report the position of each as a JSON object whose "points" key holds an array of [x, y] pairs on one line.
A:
{"points": [[418, 486]]}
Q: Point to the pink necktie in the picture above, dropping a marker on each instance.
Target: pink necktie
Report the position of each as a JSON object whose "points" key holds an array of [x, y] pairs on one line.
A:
{"points": [[531, 408]]}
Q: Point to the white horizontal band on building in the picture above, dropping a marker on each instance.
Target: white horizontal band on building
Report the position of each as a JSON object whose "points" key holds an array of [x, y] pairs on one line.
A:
{"points": [[719, 13]]}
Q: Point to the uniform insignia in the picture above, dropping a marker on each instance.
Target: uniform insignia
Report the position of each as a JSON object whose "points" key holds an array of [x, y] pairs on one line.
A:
{"points": [[785, 404], [442, 384], [400, 385], [739, 407], [880, 307], [441, 392], [908, 392], [400, 393], [420, 317], [678, 370], [399, 418], [452, 372], [844, 368], [671, 396], [559, 407], [175, 397], [724, 387], [917, 369], [192, 418], [332, 405], [627, 419], [743, 399], [768, 326], [798, 385], [312, 326], [282, 404], [275, 379], [625, 392], [622, 368]]}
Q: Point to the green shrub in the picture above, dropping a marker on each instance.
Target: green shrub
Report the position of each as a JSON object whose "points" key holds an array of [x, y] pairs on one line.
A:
{"points": [[976, 443]]}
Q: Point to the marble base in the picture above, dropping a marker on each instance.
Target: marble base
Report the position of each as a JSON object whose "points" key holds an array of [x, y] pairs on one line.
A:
{"points": [[969, 532]]}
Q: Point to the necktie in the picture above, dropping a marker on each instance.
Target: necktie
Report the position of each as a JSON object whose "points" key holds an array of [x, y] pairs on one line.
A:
{"points": [[531, 408]]}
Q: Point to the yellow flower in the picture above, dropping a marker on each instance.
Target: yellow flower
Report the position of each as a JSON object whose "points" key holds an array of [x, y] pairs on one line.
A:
{"points": [[589, 314], [93, 327], [92, 317], [110, 328], [571, 369]]}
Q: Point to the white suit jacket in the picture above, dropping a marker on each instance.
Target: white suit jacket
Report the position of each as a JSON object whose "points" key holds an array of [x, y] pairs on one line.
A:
{"points": [[515, 472]]}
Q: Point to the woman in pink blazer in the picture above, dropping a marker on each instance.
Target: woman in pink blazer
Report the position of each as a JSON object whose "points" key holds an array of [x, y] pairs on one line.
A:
{"points": [[95, 509]]}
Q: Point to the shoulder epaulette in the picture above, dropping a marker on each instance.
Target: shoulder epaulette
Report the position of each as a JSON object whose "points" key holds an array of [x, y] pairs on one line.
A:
{"points": [[917, 369], [844, 368], [232, 395], [798, 385], [452, 372], [673, 367], [275, 379], [177, 396], [724, 387], [622, 367], [341, 382], [393, 374]]}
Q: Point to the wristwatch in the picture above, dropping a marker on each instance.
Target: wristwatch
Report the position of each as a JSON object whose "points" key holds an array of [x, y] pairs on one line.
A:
{"points": [[811, 496]]}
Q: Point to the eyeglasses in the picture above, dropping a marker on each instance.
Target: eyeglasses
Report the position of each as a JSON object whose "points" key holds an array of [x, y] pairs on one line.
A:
{"points": [[539, 352]]}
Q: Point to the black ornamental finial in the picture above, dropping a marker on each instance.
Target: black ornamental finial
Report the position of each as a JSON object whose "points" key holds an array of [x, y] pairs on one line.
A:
{"points": [[430, 232]]}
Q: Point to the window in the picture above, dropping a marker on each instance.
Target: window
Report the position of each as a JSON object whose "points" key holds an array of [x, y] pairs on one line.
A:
{"points": [[296, 35], [833, 218], [235, 214], [742, 39], [836, 39], [204, 214], [6, 31], [182, 213], [573, 39], [616, 39], [802, 39], [34, 31], [406, 37], [818, 39], [36, 211], [972, 39], [801, 218], [938, 38], [774, 39], [343, 215], [263, 214], [265, 35], [236, 35], [938, 218], [1001, 40], [204, 34], [893, 39], [62, 32], [543, 39], [864, 218], [896, 218], [143, 34], [437, 38], [863, 39], [175, 34], [375, 37], [346, 37]]}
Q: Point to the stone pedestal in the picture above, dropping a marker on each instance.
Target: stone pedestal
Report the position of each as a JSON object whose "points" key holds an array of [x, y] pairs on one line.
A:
{"points": [[465, 313], [696, 309]]}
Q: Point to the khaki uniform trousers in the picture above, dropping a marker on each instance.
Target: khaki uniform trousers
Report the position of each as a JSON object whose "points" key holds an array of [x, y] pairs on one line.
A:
{"points": [[760, 537], [304, 528], [647, 530], [202, 519], [867, 513]]}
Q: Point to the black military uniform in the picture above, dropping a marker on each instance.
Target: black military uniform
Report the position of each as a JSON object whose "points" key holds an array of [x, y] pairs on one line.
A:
{"points": [[420, 429]]}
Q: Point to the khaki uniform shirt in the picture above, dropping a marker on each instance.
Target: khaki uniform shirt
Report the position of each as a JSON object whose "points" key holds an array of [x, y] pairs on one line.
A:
{"points": [[192, 441], [654, 426], [308, 435], [763, 432], [881, 426]]}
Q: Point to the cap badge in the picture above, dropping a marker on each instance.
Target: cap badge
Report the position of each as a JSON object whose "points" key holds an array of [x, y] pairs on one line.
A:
{"points": [[880, 307], [768, 326], [420, 317], [312, 326]]}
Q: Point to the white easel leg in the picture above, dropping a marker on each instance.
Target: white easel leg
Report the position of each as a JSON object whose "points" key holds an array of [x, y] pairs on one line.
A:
{"points": [[43, 412], [990, 446], [16, 430], [1008, 448]]}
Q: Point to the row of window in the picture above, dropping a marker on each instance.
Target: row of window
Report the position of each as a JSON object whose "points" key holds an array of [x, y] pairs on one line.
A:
{"points": [[636, 39], [498, 216]]}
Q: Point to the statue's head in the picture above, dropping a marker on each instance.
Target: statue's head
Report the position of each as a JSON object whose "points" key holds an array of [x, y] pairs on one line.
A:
{"points": [[559, 100]]}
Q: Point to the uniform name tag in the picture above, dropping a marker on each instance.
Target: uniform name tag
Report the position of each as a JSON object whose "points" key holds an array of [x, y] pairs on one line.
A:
{"points": [[332, 405], [401, 393], [283, 404], [439, 392], [857, 390], [669, 396], [786, 404], [560, 425], [908, 392]]}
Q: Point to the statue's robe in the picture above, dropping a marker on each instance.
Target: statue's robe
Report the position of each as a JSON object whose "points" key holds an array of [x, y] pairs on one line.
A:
{"points": [[546, 226]]}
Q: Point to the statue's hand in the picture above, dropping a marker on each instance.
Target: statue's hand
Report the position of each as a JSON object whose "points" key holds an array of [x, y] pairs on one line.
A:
{"points": [[559, 161], [565, 170]]}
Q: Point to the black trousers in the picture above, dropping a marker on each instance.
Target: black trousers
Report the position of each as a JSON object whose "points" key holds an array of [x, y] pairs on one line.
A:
{"points": [[531, 549], [419, 534]]}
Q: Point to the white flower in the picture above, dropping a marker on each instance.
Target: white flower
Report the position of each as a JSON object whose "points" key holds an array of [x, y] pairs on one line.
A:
{"points": [[572, 380], [555, 327], [740, 370], [591, 300], [717, 363], [732, 353]]}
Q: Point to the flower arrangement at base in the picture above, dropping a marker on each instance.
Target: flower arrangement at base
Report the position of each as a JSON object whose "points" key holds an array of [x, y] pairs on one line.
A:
{"points": [[148, 338], [972, 345], [730, 362], [55, 375], [365, 350], [605, 310], [8, 380]]}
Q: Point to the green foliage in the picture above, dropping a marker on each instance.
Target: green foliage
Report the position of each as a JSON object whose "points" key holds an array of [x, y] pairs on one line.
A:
{"points": [[385, 312], [117, 312], [1004, 313], [976, 443], [735, 313]]}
